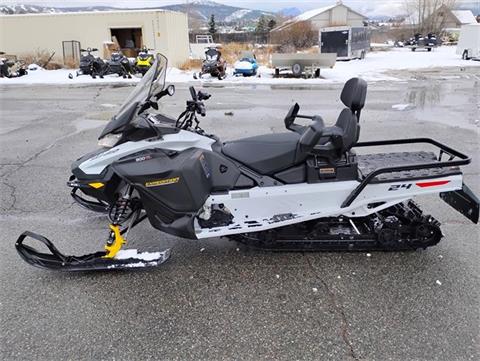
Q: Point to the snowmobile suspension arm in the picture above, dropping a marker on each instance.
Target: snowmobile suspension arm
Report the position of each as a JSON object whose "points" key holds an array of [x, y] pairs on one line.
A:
{"points": [[463, 160]]}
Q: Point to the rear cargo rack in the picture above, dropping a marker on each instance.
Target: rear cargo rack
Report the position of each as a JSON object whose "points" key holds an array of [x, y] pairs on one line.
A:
{"points": [[444, 150]]}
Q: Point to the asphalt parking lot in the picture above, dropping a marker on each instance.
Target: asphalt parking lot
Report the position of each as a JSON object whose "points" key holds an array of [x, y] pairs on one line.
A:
{"points": [[215, 299]]}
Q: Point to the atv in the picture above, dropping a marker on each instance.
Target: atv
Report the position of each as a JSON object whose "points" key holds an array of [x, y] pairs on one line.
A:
{"points": [[89, 64], [144, 61], [213, 64], [305, 189], [118, 64]]}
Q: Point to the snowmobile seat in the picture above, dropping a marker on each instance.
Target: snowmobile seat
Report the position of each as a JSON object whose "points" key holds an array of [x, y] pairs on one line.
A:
{"points": [[267, 153], [270, 153], [338, 139]]}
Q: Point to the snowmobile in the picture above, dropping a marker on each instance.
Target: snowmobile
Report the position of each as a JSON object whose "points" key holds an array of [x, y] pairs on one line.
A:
{"points": [[89, 64], [247, 65], [11, 68], [144, 61], [118, 64], [423, 42], [305, 189], [213, 64]]}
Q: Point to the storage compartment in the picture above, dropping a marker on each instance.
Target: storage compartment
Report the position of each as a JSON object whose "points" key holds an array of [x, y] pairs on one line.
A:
{"points": [[319, 170]]}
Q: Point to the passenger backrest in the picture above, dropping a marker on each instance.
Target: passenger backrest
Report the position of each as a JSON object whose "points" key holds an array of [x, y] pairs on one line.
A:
{"points": [[353, 96], [347, 122]]}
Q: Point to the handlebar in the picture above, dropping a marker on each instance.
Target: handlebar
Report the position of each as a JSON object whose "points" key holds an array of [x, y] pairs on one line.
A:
{"points": [[194, 106]]}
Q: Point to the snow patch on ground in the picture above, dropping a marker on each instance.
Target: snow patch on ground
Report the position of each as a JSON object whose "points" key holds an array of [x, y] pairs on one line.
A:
{"points": [[133, 253], [373, 68], [402, 107]]}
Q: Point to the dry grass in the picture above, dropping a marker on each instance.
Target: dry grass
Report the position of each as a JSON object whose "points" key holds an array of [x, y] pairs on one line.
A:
{"points": [[54, 66], [70, 63], [191, 64], [297, 36], [40, 57], [232, 52]]}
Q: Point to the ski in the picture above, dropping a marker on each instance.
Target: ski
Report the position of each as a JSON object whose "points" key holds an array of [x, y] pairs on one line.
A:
{"points": [[55, 260]]}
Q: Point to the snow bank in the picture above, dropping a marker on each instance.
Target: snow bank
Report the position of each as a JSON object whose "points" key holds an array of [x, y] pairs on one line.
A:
{"points": [[42, 76], [372, 68]]}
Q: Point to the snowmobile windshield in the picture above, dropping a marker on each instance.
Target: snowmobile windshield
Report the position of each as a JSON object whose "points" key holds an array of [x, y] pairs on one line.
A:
{"points": [[152, 83], [212, 55]]}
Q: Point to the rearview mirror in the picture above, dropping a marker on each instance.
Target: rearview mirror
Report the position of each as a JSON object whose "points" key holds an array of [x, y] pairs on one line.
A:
{"points": [[171, 90]]}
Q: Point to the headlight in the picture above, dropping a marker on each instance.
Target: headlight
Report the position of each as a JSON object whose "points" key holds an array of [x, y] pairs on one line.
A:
{"points": [[109, 140]]}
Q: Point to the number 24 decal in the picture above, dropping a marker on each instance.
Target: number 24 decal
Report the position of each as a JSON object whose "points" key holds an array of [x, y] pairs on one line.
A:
{"points": [[396, 187]]}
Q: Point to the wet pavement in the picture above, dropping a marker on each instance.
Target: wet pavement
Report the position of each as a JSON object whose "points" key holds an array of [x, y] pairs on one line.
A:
{"points": [[215, 299]]}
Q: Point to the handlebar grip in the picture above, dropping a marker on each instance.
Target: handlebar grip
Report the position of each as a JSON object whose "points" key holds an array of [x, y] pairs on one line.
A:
{"points": [[203, 95], [193, 93]]}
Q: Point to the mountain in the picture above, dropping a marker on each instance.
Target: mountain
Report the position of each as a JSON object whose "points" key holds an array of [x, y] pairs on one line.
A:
{"points": [[202, 10], [37, 9], [290, 12], [198, 11]]}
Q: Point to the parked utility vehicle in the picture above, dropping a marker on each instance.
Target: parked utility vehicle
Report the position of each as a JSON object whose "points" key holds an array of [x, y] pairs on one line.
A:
{"points": [[469, 42]]}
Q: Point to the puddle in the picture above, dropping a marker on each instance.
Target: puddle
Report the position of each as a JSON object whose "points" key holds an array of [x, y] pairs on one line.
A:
{"points": [[453, 103], [425, 96]]}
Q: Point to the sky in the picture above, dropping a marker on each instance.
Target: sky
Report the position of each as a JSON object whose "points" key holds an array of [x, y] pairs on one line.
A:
{"points": [[369, 7]]}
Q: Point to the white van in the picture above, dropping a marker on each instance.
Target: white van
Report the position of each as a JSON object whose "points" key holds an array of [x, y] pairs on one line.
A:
{"points": [[469, 42]]}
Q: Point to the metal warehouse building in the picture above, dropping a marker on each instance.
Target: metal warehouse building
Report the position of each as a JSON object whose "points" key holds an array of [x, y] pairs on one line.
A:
{"points": [[328, 16], [164, 31]]}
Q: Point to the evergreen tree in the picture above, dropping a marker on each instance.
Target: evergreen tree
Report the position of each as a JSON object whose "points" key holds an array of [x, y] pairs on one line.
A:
{"points": [[271, 24], [212, 26], [261, 25]]}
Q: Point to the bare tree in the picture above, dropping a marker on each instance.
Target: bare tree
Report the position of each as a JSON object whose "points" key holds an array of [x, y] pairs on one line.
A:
{"points": [[299, 35], [428, 16]]}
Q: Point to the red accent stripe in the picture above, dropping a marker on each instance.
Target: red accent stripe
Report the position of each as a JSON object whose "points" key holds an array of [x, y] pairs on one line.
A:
{"points": [[432, 184]]}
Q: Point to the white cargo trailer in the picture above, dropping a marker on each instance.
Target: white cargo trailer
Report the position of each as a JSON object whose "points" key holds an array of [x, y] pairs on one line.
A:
{"points": [[469, 42]]}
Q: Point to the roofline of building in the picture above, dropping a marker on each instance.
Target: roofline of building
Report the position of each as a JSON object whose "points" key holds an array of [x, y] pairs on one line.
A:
{"points": [[292, 21]]}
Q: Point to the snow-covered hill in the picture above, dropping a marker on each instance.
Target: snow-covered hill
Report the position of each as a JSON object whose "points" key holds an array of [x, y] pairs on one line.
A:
{"points": [[203, 9], [200, 10], [37, 9]]}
